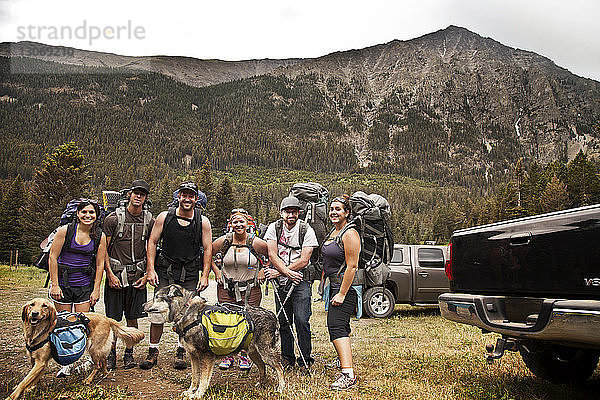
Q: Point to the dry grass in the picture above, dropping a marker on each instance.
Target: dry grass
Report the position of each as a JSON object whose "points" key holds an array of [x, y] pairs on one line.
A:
{"points": [[415, 354]]}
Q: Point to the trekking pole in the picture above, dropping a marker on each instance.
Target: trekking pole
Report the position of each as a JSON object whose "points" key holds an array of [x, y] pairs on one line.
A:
{"points": [[289, 324], [287, 296]]}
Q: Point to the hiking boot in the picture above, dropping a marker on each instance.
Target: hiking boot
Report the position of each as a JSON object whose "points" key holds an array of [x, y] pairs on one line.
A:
{"points": [[287, 366], [151, 359], [179, 359], [111, 360], [344, 382], [245, 364], [128, 361], [226, 363]]}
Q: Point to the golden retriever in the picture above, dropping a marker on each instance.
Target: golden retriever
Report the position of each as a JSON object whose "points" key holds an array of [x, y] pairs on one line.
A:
{"points": [[39, 318]]}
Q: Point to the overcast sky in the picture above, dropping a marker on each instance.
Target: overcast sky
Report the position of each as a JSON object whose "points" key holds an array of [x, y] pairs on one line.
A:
{"points": [[567, 32]]}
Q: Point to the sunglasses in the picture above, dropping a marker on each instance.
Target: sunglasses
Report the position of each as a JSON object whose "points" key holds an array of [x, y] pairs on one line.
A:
{"points": [[340, 199], [239, 211]]}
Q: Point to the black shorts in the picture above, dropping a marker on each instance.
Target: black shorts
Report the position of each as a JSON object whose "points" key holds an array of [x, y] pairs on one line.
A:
{"points": [[128, 300], [74, 294], [190, 282], [338, 317]]}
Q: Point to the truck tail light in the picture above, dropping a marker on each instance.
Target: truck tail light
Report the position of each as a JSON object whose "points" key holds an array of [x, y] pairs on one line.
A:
{"points": [[448, 266]]}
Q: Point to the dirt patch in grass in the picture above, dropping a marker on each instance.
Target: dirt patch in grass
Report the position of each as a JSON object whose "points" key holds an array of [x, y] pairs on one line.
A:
{"points": [[414, 354]]}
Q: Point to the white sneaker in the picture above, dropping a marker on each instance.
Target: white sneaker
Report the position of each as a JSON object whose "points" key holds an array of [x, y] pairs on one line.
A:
{"points": [[344, 382], [64, 371], [83, 367]]}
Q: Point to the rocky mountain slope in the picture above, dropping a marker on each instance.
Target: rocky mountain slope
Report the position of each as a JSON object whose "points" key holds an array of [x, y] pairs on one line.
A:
{"points": [[485, 100], [447, 105]]}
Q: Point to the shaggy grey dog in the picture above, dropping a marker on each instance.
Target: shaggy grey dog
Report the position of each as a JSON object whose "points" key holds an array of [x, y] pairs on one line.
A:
{"points": [[180, 306]]}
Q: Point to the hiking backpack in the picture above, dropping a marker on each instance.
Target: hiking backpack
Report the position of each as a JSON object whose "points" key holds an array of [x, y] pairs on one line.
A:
{"points": [[111, 200], [200, 203], [68, 339], [67, 217], [370, 214], [314, 199]]}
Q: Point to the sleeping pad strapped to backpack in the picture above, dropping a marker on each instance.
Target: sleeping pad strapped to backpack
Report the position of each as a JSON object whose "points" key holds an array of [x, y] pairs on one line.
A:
{"points": [[314, 199], [369, 217]]}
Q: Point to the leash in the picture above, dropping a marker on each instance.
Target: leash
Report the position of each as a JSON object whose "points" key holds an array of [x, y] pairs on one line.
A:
{"points": [[294, 336]]}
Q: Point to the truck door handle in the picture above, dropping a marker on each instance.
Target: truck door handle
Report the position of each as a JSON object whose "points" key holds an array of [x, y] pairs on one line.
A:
{"points": [[424, 274], [520, 239]]}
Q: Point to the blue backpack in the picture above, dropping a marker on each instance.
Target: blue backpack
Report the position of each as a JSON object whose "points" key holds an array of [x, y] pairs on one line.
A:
{"points": [[68, 339]]}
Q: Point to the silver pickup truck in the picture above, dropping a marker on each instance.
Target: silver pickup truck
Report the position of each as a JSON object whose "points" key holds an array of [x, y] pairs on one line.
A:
{"points": [[417, 278], [535, 281]]}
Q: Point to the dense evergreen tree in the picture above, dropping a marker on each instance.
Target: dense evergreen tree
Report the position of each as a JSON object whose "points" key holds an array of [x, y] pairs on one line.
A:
{"points": [[11, 222], [205, 184], [582, 181], [62, 177], [224, 203], [555, 196]]}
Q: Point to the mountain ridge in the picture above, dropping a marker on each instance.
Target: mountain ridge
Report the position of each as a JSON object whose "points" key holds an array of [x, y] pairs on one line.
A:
{"points": [[450, 103]]}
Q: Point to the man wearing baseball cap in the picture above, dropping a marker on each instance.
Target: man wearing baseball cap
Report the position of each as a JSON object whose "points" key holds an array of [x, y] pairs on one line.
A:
{"points": [[127, 230], [186, 250], [291, 242]]}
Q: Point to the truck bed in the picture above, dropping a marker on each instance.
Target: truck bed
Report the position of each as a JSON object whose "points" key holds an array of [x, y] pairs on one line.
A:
{"points": [[553, 255]]}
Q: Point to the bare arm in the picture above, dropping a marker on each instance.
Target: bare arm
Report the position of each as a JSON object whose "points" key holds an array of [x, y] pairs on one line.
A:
{"points": [[279, 264], [112, 280], [151, 248], [55, 249], [303, 260], [207, 245], [351, 242], [260, 246], [217, 245], [100, 261]]}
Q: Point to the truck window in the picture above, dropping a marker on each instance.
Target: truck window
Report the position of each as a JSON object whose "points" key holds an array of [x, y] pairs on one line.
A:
{"points": [[397, 257], [431, 258]]}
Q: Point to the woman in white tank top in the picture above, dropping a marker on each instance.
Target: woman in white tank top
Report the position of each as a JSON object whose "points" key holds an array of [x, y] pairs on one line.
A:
{"points": [[240, 275]]}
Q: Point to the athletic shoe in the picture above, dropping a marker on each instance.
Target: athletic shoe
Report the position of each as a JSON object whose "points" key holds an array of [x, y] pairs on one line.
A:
{"points": [[226, 363], [334, 364], [179, 359], [64, 371], [128, 361], [83, 368], [111, 360], [245, 364], [151, 359], [344, 382]]}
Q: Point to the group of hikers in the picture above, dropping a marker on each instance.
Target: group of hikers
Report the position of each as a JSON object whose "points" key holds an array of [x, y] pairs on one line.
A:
{"points": [[134, 249]]}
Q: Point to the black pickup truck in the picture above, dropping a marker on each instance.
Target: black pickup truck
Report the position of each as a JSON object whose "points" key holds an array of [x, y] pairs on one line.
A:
{"points": [[535, 281]]}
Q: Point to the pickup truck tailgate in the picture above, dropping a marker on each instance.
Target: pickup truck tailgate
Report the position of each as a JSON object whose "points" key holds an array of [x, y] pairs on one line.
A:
{"points": [[555, 254]]}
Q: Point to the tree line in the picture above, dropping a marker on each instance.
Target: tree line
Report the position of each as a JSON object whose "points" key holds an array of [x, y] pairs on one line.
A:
{"points": [[421, 211]]}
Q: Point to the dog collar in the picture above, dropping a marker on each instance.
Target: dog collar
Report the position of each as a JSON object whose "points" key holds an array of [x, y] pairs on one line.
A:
{"points": [[33, 348]]}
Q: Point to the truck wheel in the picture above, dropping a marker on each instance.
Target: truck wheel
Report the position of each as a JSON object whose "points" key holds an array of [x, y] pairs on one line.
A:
{"points": [[378, 302], [559, 364]]}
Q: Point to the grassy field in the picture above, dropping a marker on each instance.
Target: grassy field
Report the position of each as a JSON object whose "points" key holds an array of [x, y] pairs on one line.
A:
{"points": [[415, 354]]}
